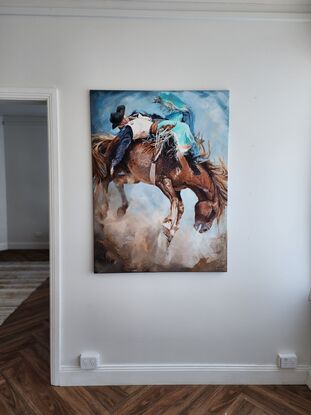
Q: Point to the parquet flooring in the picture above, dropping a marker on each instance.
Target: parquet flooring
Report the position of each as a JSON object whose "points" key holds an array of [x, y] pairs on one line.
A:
{"points": [[25, 388], [17, 281], [22, 255]]}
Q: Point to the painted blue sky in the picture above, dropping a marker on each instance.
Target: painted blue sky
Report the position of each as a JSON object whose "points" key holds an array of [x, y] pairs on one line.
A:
{"points": [[210, 108]]}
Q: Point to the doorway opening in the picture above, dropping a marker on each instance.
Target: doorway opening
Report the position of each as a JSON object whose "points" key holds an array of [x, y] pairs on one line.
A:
{"points": [[29, 226]]}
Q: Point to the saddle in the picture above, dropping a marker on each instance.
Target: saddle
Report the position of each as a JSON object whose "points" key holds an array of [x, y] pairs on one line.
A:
{"points": [[164, 138]]}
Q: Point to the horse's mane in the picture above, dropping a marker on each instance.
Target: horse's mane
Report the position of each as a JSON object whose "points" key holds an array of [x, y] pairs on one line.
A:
{"points": [[219, 176], [100, 144]]}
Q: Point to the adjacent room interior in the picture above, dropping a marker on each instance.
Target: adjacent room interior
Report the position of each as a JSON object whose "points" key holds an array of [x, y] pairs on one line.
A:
{"points": [[24, 203]]}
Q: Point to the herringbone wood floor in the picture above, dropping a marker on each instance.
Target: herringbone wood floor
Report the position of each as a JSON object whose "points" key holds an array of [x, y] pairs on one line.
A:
{"points": [[22, 255], [17, 281], [25, 388]]}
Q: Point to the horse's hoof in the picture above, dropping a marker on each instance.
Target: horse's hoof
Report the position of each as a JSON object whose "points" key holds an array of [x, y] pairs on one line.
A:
{"points": [[166, 231], [167, 225], [101, 216], [168, 234], [121, 211]]}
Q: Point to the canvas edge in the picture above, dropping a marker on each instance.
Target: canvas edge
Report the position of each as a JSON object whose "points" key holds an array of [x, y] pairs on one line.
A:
{"points": [[95, 267], [211, 10]]}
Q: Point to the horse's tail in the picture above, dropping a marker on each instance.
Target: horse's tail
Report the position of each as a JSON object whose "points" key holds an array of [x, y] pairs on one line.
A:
{"points": [[219, 176], [100, 145]]}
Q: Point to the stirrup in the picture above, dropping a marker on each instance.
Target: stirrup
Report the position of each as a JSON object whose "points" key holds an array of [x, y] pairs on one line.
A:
{"points": [[200, 159]]}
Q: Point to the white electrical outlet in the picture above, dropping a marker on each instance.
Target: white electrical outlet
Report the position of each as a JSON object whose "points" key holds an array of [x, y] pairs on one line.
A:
{"points": [[89, 360], [287, 360]]}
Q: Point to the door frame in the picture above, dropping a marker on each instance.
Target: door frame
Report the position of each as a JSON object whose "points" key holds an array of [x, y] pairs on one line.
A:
{"points": [[50, 96]]}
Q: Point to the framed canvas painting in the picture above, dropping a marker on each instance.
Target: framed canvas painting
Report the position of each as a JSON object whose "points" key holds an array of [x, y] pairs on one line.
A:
{"points": [[160, 180]]}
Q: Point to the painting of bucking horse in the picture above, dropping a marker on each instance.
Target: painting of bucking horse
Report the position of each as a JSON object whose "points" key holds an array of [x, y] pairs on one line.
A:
{"points": [[160, 180]]}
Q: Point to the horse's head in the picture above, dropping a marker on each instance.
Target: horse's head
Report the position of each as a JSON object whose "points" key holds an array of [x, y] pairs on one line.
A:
{"points": [[211, 204], [205, 214]]}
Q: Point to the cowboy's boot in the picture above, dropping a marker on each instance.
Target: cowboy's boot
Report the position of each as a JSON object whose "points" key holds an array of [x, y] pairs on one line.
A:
{"points": [[200, 159]]}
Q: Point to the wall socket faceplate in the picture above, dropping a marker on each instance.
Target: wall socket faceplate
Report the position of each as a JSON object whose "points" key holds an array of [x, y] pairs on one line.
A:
{"points": [[89, 360], [287, 360]]}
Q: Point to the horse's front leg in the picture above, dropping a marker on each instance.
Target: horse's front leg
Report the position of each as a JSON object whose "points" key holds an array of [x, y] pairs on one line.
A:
{"points": [[167, 221], [170, 224]]}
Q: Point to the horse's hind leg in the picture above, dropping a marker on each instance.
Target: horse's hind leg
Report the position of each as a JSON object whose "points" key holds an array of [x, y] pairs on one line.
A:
{"points": [[119, 182], [181, 209], [101, 200], [125, 204]]}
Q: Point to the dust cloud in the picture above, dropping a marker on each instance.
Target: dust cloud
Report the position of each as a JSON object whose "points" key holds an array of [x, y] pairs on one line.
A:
{"points": [[136, 243]]}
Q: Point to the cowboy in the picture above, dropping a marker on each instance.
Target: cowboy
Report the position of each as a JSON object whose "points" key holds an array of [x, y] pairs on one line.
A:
{"points": [[176, 109], [131, 128], [138, 126], [179, 113]]}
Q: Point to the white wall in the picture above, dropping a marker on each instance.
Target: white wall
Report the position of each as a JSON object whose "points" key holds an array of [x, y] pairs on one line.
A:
{"points": [[260, 307], [27, 184], [3, 212]]}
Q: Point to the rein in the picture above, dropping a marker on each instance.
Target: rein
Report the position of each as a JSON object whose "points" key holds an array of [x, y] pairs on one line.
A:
{"points": [[162, 136]]}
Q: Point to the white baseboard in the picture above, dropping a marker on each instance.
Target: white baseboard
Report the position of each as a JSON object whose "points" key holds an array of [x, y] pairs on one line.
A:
{"points": [[28, 245], [3, 246], [182, 374], [308, 382]]}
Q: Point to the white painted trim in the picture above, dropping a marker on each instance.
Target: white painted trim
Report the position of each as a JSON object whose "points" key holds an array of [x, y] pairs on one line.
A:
{"points": [[3, 246], [28, 245], [308, 382], [50, 95], [207, 9], [182, 374]]}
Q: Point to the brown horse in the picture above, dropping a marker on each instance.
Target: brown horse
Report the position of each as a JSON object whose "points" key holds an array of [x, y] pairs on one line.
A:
{"points": [[171, 175]]}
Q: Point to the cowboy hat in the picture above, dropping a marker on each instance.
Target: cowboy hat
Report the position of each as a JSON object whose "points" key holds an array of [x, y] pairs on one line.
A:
{"points": [[117, 117]]}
